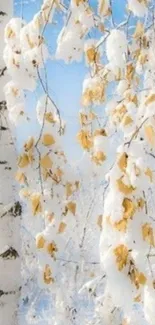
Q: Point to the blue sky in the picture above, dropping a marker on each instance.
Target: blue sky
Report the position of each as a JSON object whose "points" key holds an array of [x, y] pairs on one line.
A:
{"points": [[65, 81]]}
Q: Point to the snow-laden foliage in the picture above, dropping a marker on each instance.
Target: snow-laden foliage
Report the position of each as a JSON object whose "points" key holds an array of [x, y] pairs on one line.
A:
{"points": [[112, 190]]}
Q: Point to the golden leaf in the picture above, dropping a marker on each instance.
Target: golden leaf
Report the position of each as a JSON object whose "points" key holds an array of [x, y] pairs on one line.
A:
{"points": [[20, 177], [48, 275], [150, 99], [138, 298], [48, 140], [141, 278], [99, 221], [23, 161], [83, 118], [9, 32], [121, 253], [127, 120], [40, 241], [99, 157], [141, 203], [147, 233], [100, 132], [129, 208], [36, 204], [69, 190], [52, 249], [49, 117], [46, 162], [29, 144], [130, 70], [91, 54], [122, 161], [102, 10], [85, 139], [71, 206], [139, 31], [123, 188], [62, 227], [149, 173], [150, 134], [121, 225]]}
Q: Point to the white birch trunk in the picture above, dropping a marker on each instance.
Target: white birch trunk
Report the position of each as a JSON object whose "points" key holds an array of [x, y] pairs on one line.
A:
{"points": [[10, 209]]}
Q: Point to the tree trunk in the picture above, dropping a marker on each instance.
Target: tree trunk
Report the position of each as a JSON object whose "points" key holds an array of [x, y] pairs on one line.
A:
{"points": [[10, 209]]}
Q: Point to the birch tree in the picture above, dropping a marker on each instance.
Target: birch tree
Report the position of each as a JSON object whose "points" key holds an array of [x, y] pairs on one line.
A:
{"points": [[10, 208]]}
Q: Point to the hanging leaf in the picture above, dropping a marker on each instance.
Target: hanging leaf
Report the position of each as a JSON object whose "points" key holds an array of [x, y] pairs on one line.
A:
{"points": [[121, 252], [47, 275], [71, 206], [40, 241], [48, 140], [20, 177], [99, 157], [150, 99], [85, 139], [123, 188], [29, 144], [148, 235], [150, 134], [23, 161], [149, 173], [62, 227], [46, 162], [36, 204], [122, 161]]}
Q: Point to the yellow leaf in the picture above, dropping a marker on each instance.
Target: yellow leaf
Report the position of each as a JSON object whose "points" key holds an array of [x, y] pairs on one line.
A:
{"points": [[129, 208], [121, 225], [36, 204], [40, 241], [103, 9], [99, 157], [122, 161], [85, 139], [121, 253], [123, 188], [47, 275], [147, 233], [141, 203], [130, 70], [138, 298], [29, 144], [141, 278], [48, 140], [150, 134], [149, 173], [69, 190], [49, 117], [127, 120], [91, 54], [150, 99], [62, 227], [71, 206], [9, 32], [139, 31], [23, 161], [100, 132], [20, 177], [46, 162], [52, 249]]}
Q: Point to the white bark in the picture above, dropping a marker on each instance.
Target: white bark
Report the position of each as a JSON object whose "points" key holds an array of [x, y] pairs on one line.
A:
{"points": [[10, 209]]}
